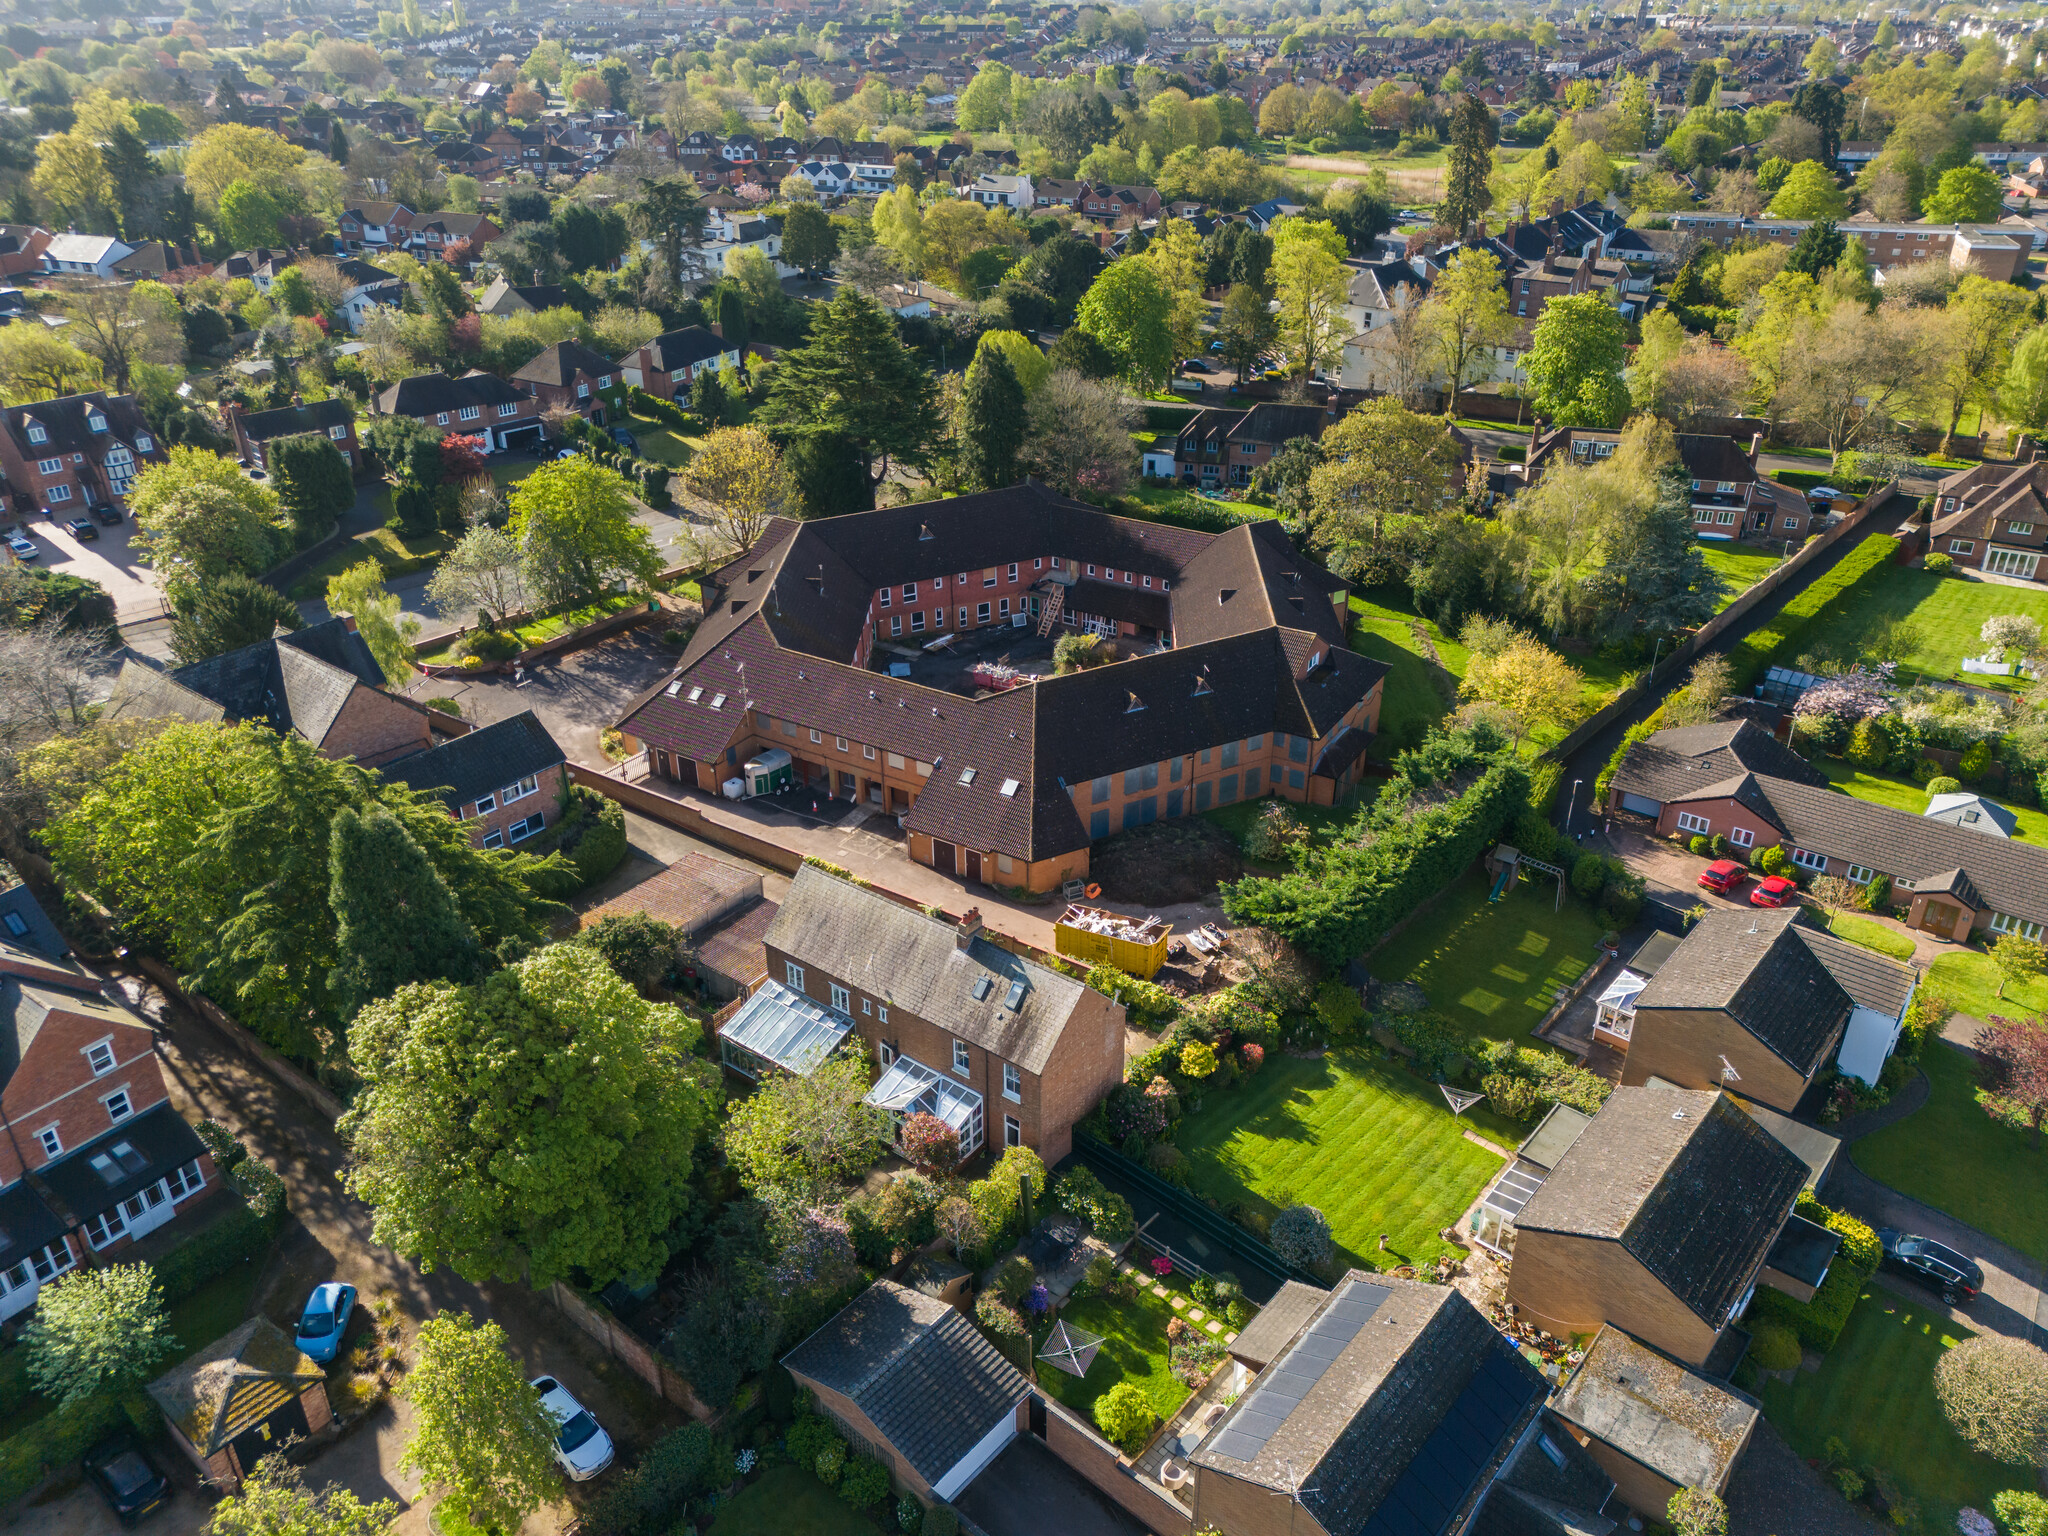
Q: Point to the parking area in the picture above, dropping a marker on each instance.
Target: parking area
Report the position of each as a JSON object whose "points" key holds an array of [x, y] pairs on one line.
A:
{"points": [[111, 559], [577, 696]]}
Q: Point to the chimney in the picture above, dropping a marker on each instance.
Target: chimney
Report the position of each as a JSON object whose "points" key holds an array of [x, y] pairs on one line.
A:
{"points": [[348, 622], [1756, 444], [969, 928], [1550, 258], [1557, 207]]}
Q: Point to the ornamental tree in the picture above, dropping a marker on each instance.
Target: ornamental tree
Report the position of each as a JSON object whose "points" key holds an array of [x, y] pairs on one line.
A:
{"points": [[1301, 1235], [931, 1145], [573, 519], [1695, 1512], [1125, 1417], [274, 1500], [479, 1431], [2013, 1075], [1129, 310], [546, 1120], [1994, 1390], [398, 922], [739, 470], [97, 1333], [313, 483], [802, 1132]]}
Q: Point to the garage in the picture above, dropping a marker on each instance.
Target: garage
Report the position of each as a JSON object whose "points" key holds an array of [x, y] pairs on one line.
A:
{"points": [[1642, 807], [520, 437]]}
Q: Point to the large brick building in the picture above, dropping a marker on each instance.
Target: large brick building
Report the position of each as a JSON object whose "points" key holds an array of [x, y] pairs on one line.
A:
{"points": [[1257, 692], [1994, 517], [478, 404], [1981, 248], [63, 456]]}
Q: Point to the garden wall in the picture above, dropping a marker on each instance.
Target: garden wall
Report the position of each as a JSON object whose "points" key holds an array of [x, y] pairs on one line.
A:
{"points": [[627, 1347], [1095, 1459], [1683, 657], [685, 817], [322, 1100]]}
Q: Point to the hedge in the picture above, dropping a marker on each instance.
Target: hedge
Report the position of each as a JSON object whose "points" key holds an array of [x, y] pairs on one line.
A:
{"points": [[684, 1464], [62, 1437], [1784, 633], [1819, 1323], [244, 1237], [654, 408]]}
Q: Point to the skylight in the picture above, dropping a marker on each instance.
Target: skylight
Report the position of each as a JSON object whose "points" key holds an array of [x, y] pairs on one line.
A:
{"points": [[718, 701], [675, 687], [1009, 787], [1016, 998], [695, 695], [981, 988], [966, 775]]}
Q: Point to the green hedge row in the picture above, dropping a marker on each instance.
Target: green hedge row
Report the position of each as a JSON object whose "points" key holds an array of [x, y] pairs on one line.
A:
{"points": [[1819, 1323], [243, 1237], [64, 1436], [1340, 908], [1778, 641], [654, 408]]}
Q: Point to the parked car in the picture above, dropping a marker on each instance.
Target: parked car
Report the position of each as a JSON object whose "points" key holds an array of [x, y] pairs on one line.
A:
{"points": [[126, 1478], [566, 453], [1195, 365], [1723, 875], [1956, 1276], [82, 528], [1773, 892], [625, 439], [325, 1320], [581, 1445], [108, 513], [22, 547], [1827, 493]]}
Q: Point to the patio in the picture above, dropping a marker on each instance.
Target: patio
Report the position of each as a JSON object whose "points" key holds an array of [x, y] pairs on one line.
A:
{"points": [[1165, 1460]]}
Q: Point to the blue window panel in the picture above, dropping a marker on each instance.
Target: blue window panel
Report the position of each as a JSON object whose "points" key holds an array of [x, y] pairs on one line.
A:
{"points": [[1131, 814], [1251, 782], [1173, 803], [1228, 793], [1296, 779], [1148, 810], [1098, 824], [1202, 793]]}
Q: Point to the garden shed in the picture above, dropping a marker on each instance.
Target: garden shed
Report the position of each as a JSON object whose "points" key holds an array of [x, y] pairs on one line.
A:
{"points": [[239, 1399]]}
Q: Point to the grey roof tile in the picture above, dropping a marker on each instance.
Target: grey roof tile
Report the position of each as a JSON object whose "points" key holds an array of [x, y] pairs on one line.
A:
{"points": [[463, 768], [1752, 967], [1673, 764]]}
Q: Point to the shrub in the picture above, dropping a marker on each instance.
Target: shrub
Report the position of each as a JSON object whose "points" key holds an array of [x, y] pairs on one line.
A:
{"points": [[1166, 1161], [1994, 1390], [1015, 1278], [1775, 1349], [1238, 1312], [1301, 1235], [1275, 834], [225, 1146], [1254, 1057], [1512, 1098], [1773, 860], [1124, 1417], [2021, 1512], [931, 1144], [242, 1238], [680, 1466], [596, 844], [831, 1464], [1849, 1483], [1341, 1011], [1938, 565], [489, 645], [1149, 1005], [865, 1483], [941, 1520], [1080, 1194], [909, 1515], [998, 1316], [1435, 1044], [1976, 762], [1942, 784], [1100, 1273], [1197, 1060], [54, 1440]]}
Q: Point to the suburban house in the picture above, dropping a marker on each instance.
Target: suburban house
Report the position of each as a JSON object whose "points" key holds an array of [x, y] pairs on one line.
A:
{"points": [[1994, 518], [504, 298], [393, 226], [21, 249], [60, 457], [1963, 809], [1393, 1407], [1006, 1051], [1953, 879], [911, 1382], [1979, 248], [333, 419], [1729, 499], [240, 1399], [669, 364], [1674, 764], [1118, 205], [1012, 192], [1258, 692], [85, 256], [1661, 1217], [501, 781], [95, 1156], [570, 377], [1222, 446], [477, 404], [25, 928], [1760, 1003]]}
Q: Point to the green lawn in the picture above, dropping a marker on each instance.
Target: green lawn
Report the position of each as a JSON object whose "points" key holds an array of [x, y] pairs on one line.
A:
{"points": [[1382, 627], [663, 443], [1369, 1144], [534, 631], [1493, 968], [1871, 935], [395, 552], [789, 1501], [1905, 795], [1968, 979], [1953, 1156], [1948, 611], [1875, 1393], [1133, 1349], [1740, 568]]}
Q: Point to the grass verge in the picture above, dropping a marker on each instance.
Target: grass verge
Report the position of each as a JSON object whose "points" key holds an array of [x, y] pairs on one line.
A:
{"points": [[396, 553], [1871, 935], [535, 631], [1740, 568]]}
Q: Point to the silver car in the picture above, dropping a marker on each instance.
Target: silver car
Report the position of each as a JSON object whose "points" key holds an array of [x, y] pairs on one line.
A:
{"points": [[581, 1446]]}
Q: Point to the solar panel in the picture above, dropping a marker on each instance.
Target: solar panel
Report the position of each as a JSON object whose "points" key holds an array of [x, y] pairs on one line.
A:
{"points": [[1283, 1384], [1458, 1451]]}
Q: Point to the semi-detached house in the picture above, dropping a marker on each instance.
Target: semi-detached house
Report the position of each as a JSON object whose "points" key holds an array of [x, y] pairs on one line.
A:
{"points": [[1258, 692]]}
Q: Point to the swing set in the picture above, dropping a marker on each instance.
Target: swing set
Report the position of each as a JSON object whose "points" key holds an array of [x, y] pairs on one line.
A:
{"points": [[1506, 864]]}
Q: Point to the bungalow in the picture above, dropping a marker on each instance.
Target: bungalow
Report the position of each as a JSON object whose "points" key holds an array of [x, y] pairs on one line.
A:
{"points": [[504, 298], [85, 255]]}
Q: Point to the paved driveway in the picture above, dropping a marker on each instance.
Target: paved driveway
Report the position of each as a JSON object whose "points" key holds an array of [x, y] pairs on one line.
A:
{"points": [[577, 696], [112, 560]]}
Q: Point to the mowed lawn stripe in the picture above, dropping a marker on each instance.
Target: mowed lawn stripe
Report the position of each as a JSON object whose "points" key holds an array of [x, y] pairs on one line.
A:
{"points": [[1374, 1148]]}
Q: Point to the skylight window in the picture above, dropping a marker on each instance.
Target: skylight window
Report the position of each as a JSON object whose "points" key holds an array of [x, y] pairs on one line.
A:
{"points": [[718, 701], [695, 695], [1016, 998], [966, 775], [675, 687], [981, 988], [1009, 788]]}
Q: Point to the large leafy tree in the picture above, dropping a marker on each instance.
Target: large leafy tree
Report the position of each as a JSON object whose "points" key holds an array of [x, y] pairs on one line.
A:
{"points": [[1382, 460], [739, 470], [1654, 578], [1575, 361], [38, 364], [1130, 311], [1467, 316], [1809, 193], [199, 517], [97, 1333], [1248, 328], [1310, 282], [991, 423], [2014, 1052], [544, 1121], [810, 240], [313, 484], [671, 215], [574, 523], [397, 920], [226, 615], [853, 387], [479, 1430], [360, 592], [482, 574], [800, 1133], [274, 1500]]}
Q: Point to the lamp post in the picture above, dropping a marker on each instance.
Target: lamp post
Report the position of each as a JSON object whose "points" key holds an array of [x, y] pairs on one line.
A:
{"points": [[1572, 806]]}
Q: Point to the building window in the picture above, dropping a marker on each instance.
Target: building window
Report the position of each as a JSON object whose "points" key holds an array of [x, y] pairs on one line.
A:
{"points": [[119, 1106], [960, 1057], [471, 412], [59, 493], [100, 1056], [1860, 875], [52, 1261], [1807, 860], [186, 1180], [494, 838], [1687, 822], [1013, 570], [840, 998], [981, 613], [839, 742], [1098, 790], [37, 434], [1741, 837], [818, 738], [509, 408], [1961, 546], [895, 625], [52, 1141], [338, 434], [910, 591], [1013, 1133], [521, 790], [794, 974], [49, 466], [916, 623], [885, 1053], [107, 1227], [605, 382], [486, 805], [522, 830], [1013, 1082], [988, 577], [440, 418], [885, 597], [2004, 923], [963, 617]]}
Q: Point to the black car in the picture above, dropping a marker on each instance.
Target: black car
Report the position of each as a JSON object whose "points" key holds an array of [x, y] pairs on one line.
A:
{"points": [[625, 439], [82, 528], [1957, 1276], [108, 514], [126, 1478]]}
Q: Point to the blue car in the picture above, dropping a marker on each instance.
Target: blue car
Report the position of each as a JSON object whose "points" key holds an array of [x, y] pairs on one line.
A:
{"points": [[326, 1320]]}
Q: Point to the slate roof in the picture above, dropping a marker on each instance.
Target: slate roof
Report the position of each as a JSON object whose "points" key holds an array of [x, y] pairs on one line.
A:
{"points": [[1534, 1496], [292, 420], [560, 364], [27, 1225], [914, 963], [673, 351], [1685, 1181], [1253, 578], [298, 680], [427, 394], [1714, 457], [1661, 1414], [40, 934], [1673, 764], [1398, 1431], [920, 1371], [1753, 967], [1989, 818], [65, 419], [131, 1157], [1870, 979], [1278, 1321], [236, 1382], [464, 768]]}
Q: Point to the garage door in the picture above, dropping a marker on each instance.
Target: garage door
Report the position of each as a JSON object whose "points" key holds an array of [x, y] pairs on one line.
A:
{"points": [[1641, 806], [514, 437]]}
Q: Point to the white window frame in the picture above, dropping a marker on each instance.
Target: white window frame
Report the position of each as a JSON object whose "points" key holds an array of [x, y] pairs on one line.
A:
{"points": [[471, 412], [49, 466], [37, 434], [1013, 1082], [509, 408], [527, 826], [99, 1056], [793, 975], [1962, 546], [186, 1181], [1741, 837], [963, 1059], [526, 786], [106, 1229], [121, 1097], [1805, 860], [1698, 825], [486, 804], [58, 492], [2003, 922], [495, 838], [338, 434], [47, 1267], [1858, 874], [52, 1141], [1013, 1132], [841, 998]]}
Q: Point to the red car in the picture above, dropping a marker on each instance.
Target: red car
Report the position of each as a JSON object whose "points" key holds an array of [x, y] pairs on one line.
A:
{"points": [[1723, 875], [1774, 892]]}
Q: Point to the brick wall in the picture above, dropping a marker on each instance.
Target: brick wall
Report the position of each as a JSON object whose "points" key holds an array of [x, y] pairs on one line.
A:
{"points": [[374, 728], [54, 1086], [1571, 1285], [1097, 1460], [546, 801]]}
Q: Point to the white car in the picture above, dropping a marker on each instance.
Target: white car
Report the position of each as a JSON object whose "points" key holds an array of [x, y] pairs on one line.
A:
{"points": [[581, 1445]]}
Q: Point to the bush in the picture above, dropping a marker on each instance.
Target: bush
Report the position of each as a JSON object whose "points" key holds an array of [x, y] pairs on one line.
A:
{"points": [[242, 1238], [597, 844], [1694, 844], [831, 1464], [1275, 834], [1773, 860], [909, 1515], [1101, 1271], [865, 1484], [1081, 1194], [1512, 1098], [1775, 1349], [654, 408], [682, 1465], [1341, 1012], [1301, 1235], [1976, 762], [1849, 1483], [998, 1316], [1197, 1060], [1942, 784], [941, 1520], [56, 1439], [490, 645], [1166, 1161], [1149, 1005], [226, 1148], [1994, 1390], [1435, 1043], [810, 1435], [1238, 1312], [1125, 1418], [1938, 565], [1015, 1278], [1819, 1323]]}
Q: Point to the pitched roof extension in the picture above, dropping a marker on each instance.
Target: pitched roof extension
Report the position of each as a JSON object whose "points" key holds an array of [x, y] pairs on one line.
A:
{"points": [[1753, 967]]}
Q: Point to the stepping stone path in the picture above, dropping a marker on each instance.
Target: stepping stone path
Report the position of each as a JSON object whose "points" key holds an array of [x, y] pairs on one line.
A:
{"points": [[1230, 1338], [1213, 1327], [1195, 1314], [1178, 1303]]}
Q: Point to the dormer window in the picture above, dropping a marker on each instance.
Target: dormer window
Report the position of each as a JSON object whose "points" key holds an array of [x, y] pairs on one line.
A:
{"points": [[36, 434], [144, 443], [96, 422]]}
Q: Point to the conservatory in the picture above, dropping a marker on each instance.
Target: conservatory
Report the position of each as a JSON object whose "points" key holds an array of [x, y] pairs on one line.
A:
{"points": [[909, 1087], [780, 1028]]}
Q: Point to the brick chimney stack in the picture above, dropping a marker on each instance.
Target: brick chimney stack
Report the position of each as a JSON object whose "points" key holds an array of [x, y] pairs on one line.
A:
{"points": [[969, 928]]}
